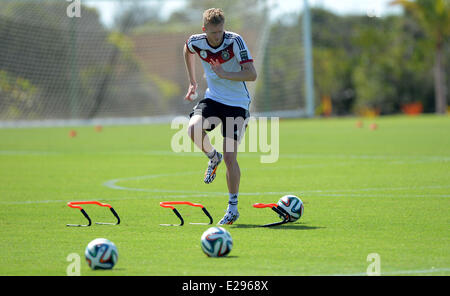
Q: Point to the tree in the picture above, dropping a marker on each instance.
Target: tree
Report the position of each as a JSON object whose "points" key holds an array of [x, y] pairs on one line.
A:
{"points": [[135, 14], [434, 17], [237, 13]]}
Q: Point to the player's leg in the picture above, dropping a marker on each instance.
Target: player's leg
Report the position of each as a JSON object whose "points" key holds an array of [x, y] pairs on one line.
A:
{"points": [[230, 159], [230, 151], [198, 134], [202, 120], [233, 180]]}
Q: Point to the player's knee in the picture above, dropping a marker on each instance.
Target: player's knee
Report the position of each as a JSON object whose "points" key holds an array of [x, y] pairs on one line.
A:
{"points": [[195, 127], [190, 131], [230, 159], [194, 130]]}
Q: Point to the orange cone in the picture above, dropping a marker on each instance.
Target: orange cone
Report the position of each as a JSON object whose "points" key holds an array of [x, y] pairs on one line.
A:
{"points": [[72, 133]]}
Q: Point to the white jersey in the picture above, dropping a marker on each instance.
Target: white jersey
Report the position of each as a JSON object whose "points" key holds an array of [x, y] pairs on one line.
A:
{"points": [[232, 53]]}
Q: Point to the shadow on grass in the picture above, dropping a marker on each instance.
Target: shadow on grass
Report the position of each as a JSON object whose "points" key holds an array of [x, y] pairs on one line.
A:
{"points": [[226, 257], [284, 226]]}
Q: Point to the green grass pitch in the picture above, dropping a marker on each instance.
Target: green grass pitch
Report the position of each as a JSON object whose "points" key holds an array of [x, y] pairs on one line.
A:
{"points": [[384, 191]]}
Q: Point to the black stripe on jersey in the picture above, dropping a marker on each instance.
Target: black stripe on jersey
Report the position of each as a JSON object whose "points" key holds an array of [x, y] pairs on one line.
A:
{"points": [[245, 86], [195, 36], [240, 43], [238, 40], [196, 39]]}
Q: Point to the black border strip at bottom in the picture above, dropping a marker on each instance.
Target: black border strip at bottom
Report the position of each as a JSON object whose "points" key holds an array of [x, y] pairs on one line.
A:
{"points": [[229, 285]]}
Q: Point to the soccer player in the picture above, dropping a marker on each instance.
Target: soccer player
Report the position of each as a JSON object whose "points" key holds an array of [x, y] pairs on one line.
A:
{"points": [[228, 64]]}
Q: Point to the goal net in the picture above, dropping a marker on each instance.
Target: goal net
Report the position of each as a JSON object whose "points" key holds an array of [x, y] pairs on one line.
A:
{"points": [[57, 65]]}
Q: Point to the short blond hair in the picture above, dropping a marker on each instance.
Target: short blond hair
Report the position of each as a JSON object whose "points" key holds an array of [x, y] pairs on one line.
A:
{"points": [[214, 16]]}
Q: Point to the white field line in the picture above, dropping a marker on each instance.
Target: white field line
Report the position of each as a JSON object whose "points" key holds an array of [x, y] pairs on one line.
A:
{"points": [[112, 184], [316, 193], [424, 158], [394, 158], [30, 202], [335, 192], [31, 153]]}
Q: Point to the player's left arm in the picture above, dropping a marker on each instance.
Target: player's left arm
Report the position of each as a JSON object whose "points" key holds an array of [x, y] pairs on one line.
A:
{"points": [[247, 73]]}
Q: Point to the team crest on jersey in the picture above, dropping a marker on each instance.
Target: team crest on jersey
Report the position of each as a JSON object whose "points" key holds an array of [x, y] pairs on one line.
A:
{"points": [[203, 54], [225, 55]]}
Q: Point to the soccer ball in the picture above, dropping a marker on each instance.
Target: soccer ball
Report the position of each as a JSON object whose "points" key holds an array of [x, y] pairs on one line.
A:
{"points": [[216, 242], [101, 254], [292, 205]]}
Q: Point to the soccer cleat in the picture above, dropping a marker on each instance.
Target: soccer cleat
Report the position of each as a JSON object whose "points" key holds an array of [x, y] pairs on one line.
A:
{"points": [[210, 173], [229, 218]]}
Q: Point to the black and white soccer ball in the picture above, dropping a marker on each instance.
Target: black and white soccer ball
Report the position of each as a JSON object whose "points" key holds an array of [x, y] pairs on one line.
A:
{"points": [[101, 254], [216, 242], [292, 206]]}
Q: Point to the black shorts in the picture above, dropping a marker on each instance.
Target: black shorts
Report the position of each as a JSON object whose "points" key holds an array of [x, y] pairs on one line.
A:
{"points": [[233, 119]]}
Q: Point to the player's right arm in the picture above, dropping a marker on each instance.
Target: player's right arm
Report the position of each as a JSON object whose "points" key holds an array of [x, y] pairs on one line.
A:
{"points": [[189, 59]]}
